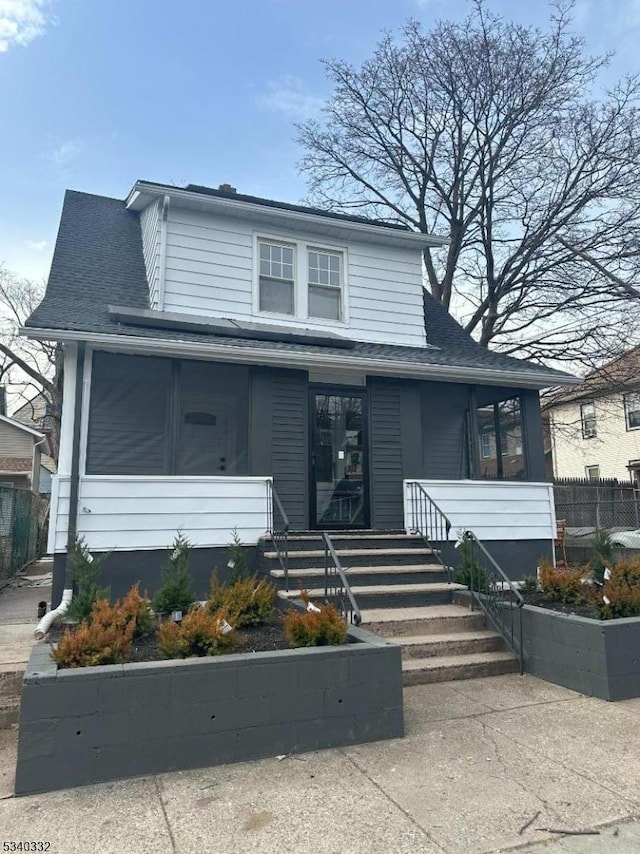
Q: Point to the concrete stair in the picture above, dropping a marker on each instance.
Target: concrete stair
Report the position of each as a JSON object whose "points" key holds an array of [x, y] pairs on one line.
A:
{"points": [[10, 692], [404, 595]]}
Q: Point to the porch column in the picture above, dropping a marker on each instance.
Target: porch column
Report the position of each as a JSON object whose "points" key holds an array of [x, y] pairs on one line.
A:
{"points": [[533, 438]]}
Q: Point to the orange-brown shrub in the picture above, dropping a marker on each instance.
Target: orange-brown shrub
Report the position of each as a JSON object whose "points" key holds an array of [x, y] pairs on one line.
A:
{"points": [[137, 609], [200, 633], [562, 585], [315, 628], [247, 601], [621, 593], [105, 639]]}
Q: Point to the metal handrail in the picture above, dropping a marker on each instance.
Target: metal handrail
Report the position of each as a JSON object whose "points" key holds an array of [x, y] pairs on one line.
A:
{"points": [[429, 521], [279, 532], [496, 594], [337, 586]]}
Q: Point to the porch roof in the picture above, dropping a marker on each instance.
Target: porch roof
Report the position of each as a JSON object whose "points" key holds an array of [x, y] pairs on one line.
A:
{"points": [[98, 263]]}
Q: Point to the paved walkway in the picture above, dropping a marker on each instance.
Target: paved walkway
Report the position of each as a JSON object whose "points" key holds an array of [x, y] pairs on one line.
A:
{"points": [[481, 759], [19, 614]]}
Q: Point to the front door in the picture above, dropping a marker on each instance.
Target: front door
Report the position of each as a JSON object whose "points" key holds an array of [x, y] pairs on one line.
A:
{"points": [[339, 488]]}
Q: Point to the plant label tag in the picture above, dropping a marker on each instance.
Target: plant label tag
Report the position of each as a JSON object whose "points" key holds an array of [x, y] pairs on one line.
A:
{"points": [[231, 564], [225, 628], [607, 573], [176, 616], [89, 557], [312, 607], [606, 600]]}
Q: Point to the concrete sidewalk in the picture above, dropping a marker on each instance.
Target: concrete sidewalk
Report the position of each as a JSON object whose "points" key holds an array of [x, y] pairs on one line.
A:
{"points": [[480, 759]]}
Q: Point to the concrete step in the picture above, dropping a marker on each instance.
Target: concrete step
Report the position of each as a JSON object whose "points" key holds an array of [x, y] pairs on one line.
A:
{"points": [[433, 619], [9, 712], [453, 643], [389, 595], [11, 681], [445, 668], [365, 575], [353, 557], [350, 540]]}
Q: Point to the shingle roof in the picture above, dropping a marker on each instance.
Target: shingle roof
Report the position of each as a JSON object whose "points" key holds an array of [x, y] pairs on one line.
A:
{"points": [[98, 262], [20, 465], [619, 375]]}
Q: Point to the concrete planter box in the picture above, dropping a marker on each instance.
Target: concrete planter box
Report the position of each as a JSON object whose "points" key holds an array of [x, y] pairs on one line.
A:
{"points": [[600, 658], [81, 726]]}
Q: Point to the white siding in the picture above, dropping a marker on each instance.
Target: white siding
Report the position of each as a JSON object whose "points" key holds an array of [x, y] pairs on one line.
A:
{"points": [[150, 227], [612, 449], [209, 270], [130, 513], [492, 510]]}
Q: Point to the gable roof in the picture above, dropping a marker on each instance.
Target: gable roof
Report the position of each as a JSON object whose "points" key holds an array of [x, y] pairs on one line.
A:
{"points": [[619, 375], [98, 263], [4, 419]]}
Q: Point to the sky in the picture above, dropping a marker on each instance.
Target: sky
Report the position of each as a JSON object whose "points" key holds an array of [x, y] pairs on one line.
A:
{"points": [[95, 94]]}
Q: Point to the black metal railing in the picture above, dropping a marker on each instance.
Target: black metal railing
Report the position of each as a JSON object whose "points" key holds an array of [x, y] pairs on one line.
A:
{"points": [[278, 524], [496, 594], [428, 520], [337, 590]]}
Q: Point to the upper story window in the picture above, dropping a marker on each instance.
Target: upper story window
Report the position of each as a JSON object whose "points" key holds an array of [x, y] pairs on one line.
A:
{"points": [[632, 410], [325, 284], [588, 419], [300, 280], [276, 277], [592, 472]]}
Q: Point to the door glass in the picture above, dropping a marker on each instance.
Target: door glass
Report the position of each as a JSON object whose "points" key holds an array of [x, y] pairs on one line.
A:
{"points": [[339, 458]]}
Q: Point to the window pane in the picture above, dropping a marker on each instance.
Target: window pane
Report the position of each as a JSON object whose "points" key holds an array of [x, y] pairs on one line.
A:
{"points": [[632, 410], [265, 268], [324, 262], [313, 259], [265, 254], [324, 302], [334, 279], [313, 275], [334, 263], [588, 417], [287, 254], [276, 253], [276, 296], [501, 456]]}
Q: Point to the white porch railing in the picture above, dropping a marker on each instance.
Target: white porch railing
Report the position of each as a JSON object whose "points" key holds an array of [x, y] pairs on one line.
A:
{"points": [[127, 513], [493, 510]]}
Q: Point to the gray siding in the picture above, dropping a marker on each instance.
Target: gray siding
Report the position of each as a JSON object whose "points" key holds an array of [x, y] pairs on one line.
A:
{"points": [[533, 439], [444, 409], [386, 463], [290, 444]]}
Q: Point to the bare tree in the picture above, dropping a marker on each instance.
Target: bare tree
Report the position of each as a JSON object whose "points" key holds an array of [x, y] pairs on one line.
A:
{"points": [[28, 368], [486, 131]]}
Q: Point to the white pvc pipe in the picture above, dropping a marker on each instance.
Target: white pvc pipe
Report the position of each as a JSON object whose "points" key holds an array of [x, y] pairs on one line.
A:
{"points": [[46, 622]]}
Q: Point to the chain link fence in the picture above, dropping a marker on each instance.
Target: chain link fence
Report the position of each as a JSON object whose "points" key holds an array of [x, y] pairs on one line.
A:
{"points": [[22, 523]]}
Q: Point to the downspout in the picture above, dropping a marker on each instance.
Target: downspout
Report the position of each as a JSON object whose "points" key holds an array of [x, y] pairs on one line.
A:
{"points": [[33, 464], [47, 621]]}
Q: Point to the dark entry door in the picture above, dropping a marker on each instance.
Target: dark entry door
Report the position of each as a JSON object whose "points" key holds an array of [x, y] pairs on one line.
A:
{"points": [[339, 488]]}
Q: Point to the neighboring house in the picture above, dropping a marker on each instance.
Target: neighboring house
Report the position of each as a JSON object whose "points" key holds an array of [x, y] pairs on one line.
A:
{"points": [[19, 454], [216, 344], [35, 413], [595, 426]]}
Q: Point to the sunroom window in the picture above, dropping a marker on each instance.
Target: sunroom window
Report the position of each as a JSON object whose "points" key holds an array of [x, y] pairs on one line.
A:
{"points": [[325, 284], [276, 277]]}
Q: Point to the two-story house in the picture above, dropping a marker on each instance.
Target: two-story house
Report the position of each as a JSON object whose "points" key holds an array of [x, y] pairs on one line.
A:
{"points": [[595, 426], [229, 359]]}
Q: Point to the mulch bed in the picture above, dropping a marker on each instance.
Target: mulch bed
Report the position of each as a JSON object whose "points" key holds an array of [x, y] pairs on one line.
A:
{"points": [[264, 638], [584, 609]]}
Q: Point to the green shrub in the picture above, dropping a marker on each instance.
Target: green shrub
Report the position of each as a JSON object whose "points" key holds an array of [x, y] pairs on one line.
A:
{"points": [[247, 601], [562, 585], [469, 568], [602, 549], [176, 588], [137, 609], [85, 569], [200, 633], [529, 585], [104, 639], [315, 628], [237, 557]]}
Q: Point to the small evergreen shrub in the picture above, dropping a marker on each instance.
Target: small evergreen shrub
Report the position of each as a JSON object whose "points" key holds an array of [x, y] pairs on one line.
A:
{"points": [[247, 601], [562, 585], [104, 639], [237, 557], [469, 568], [602, 549], [315, 628], [176, 588], [85, 569], [137, 609], [200, 633], [529, 585]]}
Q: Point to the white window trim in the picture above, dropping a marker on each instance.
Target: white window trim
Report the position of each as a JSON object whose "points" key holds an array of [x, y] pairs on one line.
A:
{"points": [[627, 411], [583, 421], [303, 246]]}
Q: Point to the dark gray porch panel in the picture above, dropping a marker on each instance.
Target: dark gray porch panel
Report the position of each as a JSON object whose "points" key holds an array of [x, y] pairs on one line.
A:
{"points": [[444, 407], [396, 446], [279, 437]]}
